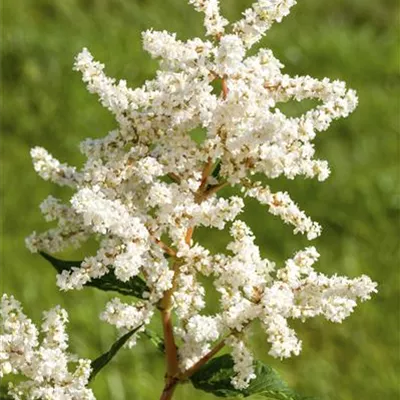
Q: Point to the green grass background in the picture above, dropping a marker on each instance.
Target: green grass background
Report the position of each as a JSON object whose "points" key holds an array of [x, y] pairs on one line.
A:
{"points": [[45, 103]]}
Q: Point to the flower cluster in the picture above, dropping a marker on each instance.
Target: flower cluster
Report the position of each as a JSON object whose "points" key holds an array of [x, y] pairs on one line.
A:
{"points": [[45, 364], [147, 185]]}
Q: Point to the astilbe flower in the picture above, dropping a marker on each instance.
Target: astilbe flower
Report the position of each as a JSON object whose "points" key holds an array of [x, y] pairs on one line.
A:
{"points": [[45, 364], [148, 184]]}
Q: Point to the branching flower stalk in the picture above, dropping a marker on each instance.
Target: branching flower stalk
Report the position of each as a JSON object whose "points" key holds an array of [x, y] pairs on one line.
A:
{"points": [[148, 184]]}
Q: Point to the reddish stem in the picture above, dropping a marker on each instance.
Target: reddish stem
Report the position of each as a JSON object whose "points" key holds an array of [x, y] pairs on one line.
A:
{"points": [[171, 353], [189, 372], [189, 234], [169, 343], [225, 89], [169, 390]]}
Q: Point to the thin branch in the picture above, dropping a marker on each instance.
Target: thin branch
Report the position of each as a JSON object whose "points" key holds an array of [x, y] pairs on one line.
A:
{"points": [[171, 353], [225, 89], [174, 177], [169, 389], [189, 234], [167, 250], [205, 174], [214, 189], [194, 368], [171, 383]]}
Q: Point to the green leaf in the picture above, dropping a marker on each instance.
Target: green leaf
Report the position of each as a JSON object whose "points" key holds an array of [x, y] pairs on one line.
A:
{"points": [[280, 396], [155, 339], [215, 377], [4, 393], [216, 170], [135, 286], [273, 395], [100, 362]]}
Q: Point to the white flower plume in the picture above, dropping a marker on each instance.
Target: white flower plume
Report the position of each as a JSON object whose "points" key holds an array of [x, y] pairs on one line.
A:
{"points": [[46, 365], [147, 185]]}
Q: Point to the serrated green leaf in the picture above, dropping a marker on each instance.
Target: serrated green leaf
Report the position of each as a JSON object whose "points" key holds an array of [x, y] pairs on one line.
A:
{"points": [[155, 339], [135, 286], [215, 377], [100, 362]]}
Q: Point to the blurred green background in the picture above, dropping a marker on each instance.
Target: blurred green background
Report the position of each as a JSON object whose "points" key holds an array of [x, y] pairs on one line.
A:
{"points": [[45, 103]]}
